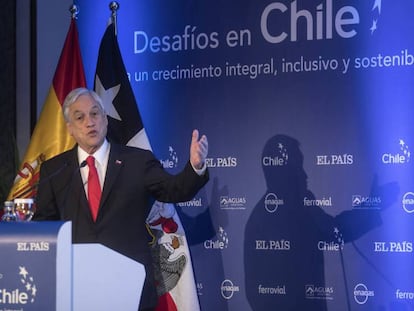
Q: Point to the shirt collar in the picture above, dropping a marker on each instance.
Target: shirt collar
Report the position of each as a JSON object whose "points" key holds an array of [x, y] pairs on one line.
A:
{"points": [[100, 155]]}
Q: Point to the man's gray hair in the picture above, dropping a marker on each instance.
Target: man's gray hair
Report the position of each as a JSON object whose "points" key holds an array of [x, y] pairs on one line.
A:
{"points": [[73, 97]]}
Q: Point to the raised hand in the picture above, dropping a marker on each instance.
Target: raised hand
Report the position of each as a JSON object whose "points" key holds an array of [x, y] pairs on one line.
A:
{"points": [[198, 150]]}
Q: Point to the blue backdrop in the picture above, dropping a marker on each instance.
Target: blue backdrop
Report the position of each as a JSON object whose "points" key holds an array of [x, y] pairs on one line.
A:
{"points": [[308, 109]]}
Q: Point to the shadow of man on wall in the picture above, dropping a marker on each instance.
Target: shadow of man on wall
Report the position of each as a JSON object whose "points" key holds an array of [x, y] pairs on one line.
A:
{"points": [[287, 231]]}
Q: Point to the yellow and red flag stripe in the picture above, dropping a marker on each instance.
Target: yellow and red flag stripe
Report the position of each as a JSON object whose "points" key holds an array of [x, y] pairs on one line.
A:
{"points": [[50, 136]]}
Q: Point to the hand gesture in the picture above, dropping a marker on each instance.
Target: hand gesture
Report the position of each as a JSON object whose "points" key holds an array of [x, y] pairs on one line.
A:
{"points": [[198, 150]]}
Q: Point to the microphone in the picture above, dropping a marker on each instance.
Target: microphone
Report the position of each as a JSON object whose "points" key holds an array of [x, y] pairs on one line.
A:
{"points": [[40, 182], [83, 164]]}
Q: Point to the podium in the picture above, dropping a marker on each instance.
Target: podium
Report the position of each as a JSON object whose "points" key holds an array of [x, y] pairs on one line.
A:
{"points": [[40, 269]]}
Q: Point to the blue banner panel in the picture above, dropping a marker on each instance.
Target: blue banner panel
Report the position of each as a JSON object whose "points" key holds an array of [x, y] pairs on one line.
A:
{"points": [[308, 109]]}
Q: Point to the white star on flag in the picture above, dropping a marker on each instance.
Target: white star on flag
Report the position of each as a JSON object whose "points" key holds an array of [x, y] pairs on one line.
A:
{"points": [[108, 98]]}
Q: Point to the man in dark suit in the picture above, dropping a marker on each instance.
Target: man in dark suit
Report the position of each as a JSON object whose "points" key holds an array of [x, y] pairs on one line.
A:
{"points": [[129, 178]]}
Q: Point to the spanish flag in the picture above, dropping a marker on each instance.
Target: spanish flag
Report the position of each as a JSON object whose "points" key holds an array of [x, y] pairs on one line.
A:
{"points": [[50, 137]]}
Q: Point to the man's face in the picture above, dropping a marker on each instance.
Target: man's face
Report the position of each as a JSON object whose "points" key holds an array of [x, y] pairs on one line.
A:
{"points": [[87, 123]]}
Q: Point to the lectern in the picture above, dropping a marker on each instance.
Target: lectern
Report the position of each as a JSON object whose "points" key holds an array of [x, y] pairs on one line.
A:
{"points": [[40, 269]]}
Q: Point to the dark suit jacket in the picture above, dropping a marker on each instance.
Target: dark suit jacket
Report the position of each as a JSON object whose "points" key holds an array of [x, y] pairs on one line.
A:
{"points": [[134, 178]]}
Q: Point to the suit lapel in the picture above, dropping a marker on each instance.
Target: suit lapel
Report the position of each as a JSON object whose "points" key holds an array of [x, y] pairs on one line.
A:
{"points": [[114, 167]]}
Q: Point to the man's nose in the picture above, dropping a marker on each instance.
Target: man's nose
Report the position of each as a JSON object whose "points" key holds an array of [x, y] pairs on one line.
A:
{"points": [[89, 121]]}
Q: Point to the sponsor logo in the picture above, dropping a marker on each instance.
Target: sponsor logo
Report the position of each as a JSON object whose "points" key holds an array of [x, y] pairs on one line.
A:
{"points": [[404, 295], [221, 162], [221, 242], [402, 156], [365, 202], [332, 246], [279, 290], [20, 296], [393, 247], [361, 293], [273, 245], [408, 202], [271, 202], [329, 246], [33, 246], [227, 202], [319, 292], [335, 159], [171, 161], [281, 159], [192, 203], [324, 202], [228, 289]]}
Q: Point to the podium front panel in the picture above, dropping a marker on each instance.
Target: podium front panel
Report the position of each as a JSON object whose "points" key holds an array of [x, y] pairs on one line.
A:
{"points": [[35, 266]]}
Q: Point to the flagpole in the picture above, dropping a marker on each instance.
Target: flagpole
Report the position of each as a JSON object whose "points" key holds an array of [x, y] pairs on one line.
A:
{"points": [[74, 10], [114, 6]]}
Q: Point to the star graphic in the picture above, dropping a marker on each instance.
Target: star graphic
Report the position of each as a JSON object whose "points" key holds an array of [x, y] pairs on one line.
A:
{"points": [[23, 272], [107, 98], [377, 5], [34, 290], [374, 26], [221, 230], [405, 149]]}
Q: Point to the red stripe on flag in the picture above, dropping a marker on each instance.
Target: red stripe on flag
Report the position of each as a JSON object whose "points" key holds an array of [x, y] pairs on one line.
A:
{"points": [[69, 72]]}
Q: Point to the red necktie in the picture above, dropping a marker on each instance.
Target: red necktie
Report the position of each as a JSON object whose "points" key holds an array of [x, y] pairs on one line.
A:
{"points": [[94, 188]]}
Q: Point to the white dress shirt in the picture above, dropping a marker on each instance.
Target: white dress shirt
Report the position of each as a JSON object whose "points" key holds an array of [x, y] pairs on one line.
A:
{"points": [[101, 163]]}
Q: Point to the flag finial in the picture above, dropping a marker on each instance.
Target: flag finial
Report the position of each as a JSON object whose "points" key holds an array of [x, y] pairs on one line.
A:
{"points": [[114, 6], [74, 10]]}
